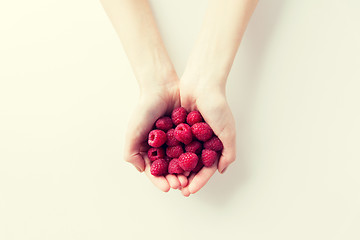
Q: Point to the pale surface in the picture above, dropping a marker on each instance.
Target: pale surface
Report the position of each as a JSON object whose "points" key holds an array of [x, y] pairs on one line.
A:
{"points": [[66, 91]]}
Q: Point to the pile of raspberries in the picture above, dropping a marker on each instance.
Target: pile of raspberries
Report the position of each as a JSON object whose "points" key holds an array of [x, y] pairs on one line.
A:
{"points": [[182, 143]]}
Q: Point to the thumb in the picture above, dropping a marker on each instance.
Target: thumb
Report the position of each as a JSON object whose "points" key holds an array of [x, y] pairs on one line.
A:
{"points": [[228, 154], [137, 160], [135, 138]]}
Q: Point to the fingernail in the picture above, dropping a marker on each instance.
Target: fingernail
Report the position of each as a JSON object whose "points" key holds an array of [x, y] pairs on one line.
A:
{"points": [[223, 170], [139, 169]]}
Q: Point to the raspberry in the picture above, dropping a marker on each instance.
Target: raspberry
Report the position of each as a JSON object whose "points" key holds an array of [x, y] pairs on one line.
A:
{"points": [[194, 147], [198, 167], [214, 144], [159, 167], [171, 140], [188, 161], [208, 157], [194, 117], [202, 131], [156, 138], [156, 153], [164, 123], [178, 115], [183, 133], [175, 151], [174, 167]]}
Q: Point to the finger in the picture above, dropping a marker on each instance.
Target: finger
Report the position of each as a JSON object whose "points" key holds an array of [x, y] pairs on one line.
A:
{"points": [[227, 157], [191, 178], [139, 127], [137, 160], [183, 180], [173, 181], [159, 182], [186, 174], [228, 154], [185, 191], [201, 178]]}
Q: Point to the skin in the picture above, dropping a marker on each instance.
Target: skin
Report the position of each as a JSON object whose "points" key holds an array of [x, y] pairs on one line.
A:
{"points": [[202, 86], [216, 112], [151, 105]]}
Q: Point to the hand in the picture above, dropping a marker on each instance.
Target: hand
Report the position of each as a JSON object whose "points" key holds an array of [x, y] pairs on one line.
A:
{"points": [[212, 104], [154, 102]]}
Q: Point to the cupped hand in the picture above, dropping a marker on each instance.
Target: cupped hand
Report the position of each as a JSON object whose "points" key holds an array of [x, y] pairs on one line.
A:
{"points": [[153, 103], [212, 104]]}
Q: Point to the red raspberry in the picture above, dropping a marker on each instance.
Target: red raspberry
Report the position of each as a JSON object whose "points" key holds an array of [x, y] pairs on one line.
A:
{"points": [[174, 167], [208, 157], [175, 151], [194, 117], [156, 153], [188, 161], [164, 123], [171, 140], [159, 167], [178, 115], [194, 147], [198, 167], [156, 138], [214, 144], [183, 133], [202, 131]]}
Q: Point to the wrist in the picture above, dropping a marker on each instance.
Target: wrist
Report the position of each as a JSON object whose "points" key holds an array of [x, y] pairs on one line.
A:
{"points": [[199, 81], [208, 68], [197, 86], [158, 80]]}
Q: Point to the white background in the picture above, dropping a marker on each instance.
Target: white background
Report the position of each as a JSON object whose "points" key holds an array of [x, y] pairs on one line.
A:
{"points": [[67, 90]]}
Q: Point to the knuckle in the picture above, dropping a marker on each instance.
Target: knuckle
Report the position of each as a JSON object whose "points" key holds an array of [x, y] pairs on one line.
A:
{"points": [[230, 159], [128, 158]]}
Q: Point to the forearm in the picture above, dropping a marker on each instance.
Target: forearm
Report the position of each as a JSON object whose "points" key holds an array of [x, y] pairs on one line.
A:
{"points": [[216, 46], [135, 24]]}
